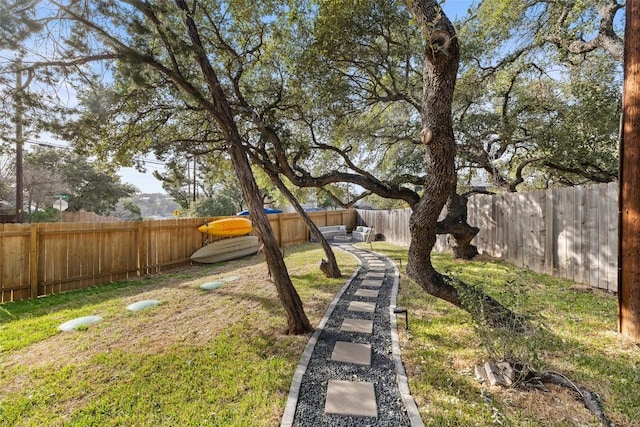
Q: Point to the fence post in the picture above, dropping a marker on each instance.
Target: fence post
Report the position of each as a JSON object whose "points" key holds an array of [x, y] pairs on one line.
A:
{"points": [[33, 261]]}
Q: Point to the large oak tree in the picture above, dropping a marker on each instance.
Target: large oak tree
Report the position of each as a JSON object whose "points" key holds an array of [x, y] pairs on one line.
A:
{"points": [[233, 71]]}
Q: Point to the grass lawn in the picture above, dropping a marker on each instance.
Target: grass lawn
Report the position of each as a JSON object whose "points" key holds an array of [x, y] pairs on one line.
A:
{"points": [[220, 358], [578, 339], [201, 358]]}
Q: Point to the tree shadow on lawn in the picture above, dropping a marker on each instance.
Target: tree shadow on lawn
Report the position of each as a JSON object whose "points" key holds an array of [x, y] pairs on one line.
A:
{"points": [[76, 299], [441, 370]]}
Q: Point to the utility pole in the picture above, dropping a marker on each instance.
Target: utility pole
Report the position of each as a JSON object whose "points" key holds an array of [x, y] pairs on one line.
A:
{"points": [[195, 191], [19, 146], [629, 177]]}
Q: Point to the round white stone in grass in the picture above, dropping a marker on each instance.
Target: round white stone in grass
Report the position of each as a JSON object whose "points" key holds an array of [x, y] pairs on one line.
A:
{"points": [[211, 285], [229, 279], [141, 305], [79, 322]]}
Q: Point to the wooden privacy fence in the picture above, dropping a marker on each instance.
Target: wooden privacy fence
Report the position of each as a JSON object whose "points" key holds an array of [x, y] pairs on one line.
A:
{"points": [[41, 259], [568, 232]]}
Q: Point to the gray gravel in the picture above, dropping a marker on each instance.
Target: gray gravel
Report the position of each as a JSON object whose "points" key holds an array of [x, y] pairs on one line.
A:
{"points": [[382, 372]]}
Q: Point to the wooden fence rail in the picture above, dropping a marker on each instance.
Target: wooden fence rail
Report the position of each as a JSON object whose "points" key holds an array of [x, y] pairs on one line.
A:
{"points": [[41, 259], [567, 232]]}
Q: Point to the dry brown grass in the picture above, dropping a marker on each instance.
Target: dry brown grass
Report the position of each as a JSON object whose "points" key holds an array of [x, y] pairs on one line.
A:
{"points": [[187, 314], [237, 327]]}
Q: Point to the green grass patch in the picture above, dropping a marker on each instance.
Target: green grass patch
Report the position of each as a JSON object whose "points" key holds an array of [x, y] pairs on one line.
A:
{"points": [[578, 338], [218, 357], [223, 383], [231, 366]]}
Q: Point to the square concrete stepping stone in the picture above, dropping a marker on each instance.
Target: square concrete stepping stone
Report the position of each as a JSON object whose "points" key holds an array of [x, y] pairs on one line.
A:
{"points": [[357, 325], [372, 283], [367, 293], [376, 275], [357, 399], [365, 307], [376, 265], [351, 352]]}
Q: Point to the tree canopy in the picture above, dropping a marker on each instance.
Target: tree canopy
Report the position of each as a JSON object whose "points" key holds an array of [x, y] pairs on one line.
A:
{"points": [[538, 96], [52, 172], [323, 93]]}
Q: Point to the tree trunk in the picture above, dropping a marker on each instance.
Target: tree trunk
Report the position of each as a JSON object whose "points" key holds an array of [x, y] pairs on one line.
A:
{"points": [[439, 77], [297, 321], [330, 266], [460, 232], [220, 110]]}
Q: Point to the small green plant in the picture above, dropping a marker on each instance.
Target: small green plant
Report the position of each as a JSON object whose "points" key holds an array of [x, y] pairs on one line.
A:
{"points": [[512, 338], [48, 214]]}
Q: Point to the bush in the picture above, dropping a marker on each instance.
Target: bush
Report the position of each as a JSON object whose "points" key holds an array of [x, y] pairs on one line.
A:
{"points": [[46, 215], [219, 205]]}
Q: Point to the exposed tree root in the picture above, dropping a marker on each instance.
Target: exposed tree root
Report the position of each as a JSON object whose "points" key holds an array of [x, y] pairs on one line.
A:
{"points": [[515, 373], [330, 270], [589, 398]]}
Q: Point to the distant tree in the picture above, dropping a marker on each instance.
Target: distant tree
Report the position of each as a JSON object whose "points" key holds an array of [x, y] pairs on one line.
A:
{"points": [[7, 177], [218, 205], [381, 203], [90, 189], [46, 214], [176, 183], [127, 210], [155, 205], [43, 178], [50, 172]]}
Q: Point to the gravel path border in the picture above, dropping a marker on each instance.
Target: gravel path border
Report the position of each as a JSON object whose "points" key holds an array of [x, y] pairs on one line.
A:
{"points": [[307, 394]]}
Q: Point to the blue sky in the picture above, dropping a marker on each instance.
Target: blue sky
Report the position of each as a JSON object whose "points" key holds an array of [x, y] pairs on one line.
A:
{"points": [[456, 8]]}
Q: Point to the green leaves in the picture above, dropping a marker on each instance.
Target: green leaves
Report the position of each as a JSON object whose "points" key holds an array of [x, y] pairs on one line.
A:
{"points": [[523, 98], [49, 172]]}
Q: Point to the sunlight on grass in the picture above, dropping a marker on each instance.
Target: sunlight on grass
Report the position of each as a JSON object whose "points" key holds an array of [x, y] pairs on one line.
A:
{"points": [[219, 357], [580, 341], [232, 368], [221, 383]]}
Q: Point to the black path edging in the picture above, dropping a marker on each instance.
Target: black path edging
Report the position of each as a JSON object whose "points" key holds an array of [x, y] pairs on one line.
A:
{"points": [[307, 395]]}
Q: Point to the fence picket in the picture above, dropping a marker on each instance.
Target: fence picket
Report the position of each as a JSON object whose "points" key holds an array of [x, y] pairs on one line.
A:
{"points": [[41, 259], [568, 232]]}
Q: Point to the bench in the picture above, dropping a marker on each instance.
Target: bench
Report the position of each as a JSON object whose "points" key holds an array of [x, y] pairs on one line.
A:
{"points": [[362, 234], [331, 231]]}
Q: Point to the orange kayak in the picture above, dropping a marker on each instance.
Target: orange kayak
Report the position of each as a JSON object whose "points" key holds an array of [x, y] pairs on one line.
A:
{"points": [[227, 227]]}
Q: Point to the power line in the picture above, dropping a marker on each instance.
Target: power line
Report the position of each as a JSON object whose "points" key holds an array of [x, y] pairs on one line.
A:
{"points": [[66, 147]]}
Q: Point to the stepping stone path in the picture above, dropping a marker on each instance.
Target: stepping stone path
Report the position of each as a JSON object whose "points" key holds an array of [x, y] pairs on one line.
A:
{"points": [[350, 373]]}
